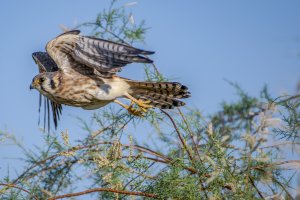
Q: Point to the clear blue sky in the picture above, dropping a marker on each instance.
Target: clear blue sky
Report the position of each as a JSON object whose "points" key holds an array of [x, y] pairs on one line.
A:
{"points": [[199, 43]]}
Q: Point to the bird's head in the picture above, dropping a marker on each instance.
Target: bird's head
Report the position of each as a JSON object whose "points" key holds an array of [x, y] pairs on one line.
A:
{"points": [[44, 82]]}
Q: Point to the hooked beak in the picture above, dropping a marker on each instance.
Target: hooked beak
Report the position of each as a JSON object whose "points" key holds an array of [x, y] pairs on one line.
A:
{"points": [[33, 84]]}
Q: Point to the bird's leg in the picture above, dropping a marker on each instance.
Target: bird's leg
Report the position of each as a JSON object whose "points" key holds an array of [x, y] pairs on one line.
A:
{"points": [[130, 108], [143, 105]]}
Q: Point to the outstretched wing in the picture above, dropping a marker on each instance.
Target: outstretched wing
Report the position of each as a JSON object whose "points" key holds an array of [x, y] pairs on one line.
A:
{"points": [[46, 64], [102, 55]]}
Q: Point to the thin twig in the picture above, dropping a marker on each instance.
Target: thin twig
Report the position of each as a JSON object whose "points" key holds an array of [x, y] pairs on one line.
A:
{"points": [[163, 159], [288, 99], [133, 179], [142, 194], [253, 184], [179, 135], [283, 188], [17, 187], [98, 132], [190, 132], [35, 165], [192, 170]]}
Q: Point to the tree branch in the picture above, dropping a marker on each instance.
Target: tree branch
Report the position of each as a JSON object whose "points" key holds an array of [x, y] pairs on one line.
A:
{"points": [[179, 135], [142, 194], [17, 187]]}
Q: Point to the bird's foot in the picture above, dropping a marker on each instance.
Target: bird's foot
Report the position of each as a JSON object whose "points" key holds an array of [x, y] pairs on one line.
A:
{"points": [[143, 104], [135, 111], [132, 110], [143, 107]]}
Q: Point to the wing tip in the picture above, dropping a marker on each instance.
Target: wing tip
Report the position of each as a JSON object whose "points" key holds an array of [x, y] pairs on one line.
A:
{"points": [[143, 52], [72, 32], [142, 59]]}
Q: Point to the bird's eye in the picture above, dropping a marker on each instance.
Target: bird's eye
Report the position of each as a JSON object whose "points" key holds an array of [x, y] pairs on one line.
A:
{"points": [[42, 80]]}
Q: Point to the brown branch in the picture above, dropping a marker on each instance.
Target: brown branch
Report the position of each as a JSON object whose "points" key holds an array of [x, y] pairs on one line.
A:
{"points": [[76, 148], [17, 187], [253, 184], [142, 194], [35, 165], [61, 163], [162, 159], [190, 132], [179, 135], [145, 150], [98, 132]]}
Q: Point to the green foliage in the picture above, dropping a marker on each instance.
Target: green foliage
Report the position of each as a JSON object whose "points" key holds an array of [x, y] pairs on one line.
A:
{"points": [[291, 117], [118, 25], [231, 154]]}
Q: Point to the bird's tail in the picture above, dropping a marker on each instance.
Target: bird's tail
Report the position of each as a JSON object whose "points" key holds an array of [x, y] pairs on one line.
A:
{"points": [[163, 95]]}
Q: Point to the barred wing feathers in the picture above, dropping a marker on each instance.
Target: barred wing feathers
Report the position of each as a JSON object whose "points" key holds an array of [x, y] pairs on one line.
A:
{"points": [[103, 55]]}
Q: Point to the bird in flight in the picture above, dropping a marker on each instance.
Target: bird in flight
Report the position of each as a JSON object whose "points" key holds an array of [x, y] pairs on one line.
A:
{"points": [[80, 71]]}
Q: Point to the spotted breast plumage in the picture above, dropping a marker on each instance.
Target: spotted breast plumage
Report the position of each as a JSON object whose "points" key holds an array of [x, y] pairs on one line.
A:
{"points": [[81, 71]]}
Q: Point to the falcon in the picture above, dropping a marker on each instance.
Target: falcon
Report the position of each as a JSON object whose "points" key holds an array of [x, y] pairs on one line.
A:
{"points": [[80, 71]]}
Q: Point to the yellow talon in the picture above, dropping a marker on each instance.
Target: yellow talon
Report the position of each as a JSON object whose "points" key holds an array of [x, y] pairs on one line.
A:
{"points": [[143, 104], [134, 111]]}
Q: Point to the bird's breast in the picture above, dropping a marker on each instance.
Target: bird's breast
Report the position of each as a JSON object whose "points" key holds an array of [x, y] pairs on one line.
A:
{"points": [[82, 91]]}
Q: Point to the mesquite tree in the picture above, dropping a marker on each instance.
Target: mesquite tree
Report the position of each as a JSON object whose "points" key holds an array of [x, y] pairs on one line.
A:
{"points": [[231, 154]]}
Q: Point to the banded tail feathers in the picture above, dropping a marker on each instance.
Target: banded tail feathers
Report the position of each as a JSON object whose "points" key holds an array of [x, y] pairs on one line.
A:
{"points": [[164, 95]]}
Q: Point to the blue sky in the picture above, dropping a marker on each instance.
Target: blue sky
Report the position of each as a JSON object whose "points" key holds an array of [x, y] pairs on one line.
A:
{"points": [[199, 43]]}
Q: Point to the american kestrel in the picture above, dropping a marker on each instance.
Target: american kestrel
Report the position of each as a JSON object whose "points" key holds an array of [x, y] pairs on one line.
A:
{"points": [[81, 71]]}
